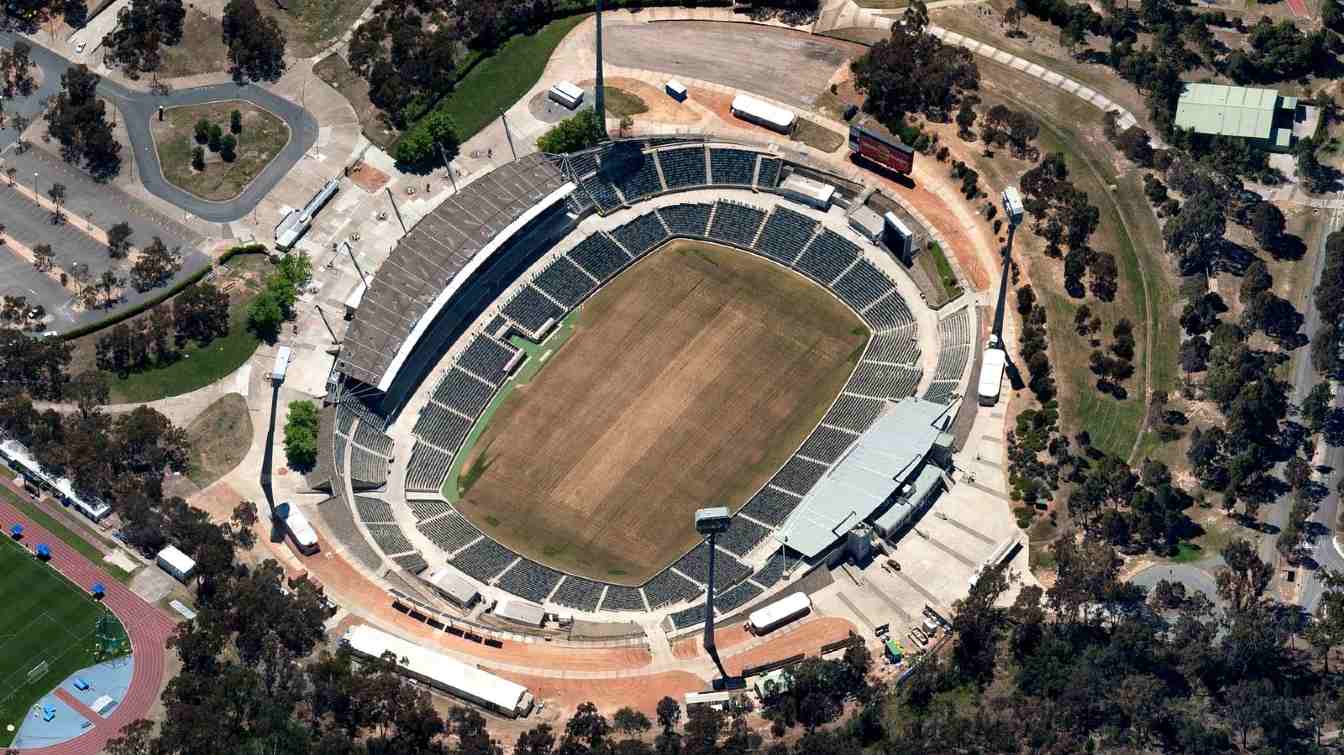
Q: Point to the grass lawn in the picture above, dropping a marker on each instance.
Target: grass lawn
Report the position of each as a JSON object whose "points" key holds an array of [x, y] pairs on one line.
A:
{"points": [[501, 79], [220, 437], [935, 265], [201, 50], [46, 618], [622, 103], [262, 137], [1127, 230], [65, 534]]}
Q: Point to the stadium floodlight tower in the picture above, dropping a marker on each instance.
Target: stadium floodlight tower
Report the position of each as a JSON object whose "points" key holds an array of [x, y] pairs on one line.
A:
{"points": [[599, 95], [710, 522]]}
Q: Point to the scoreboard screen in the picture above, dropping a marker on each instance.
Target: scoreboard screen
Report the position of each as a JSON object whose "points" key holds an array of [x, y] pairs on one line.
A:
{"points": [[890, 154]]}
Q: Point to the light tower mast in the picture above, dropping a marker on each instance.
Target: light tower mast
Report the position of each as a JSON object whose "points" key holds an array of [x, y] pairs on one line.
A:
{"points": [[599, 96]]}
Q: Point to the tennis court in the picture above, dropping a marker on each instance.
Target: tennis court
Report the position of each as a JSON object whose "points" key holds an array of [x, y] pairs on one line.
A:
{"points": [[46, 619]]}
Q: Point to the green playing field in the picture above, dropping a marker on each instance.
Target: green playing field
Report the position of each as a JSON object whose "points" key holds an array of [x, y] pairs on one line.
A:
{"points": [[45, 618]]}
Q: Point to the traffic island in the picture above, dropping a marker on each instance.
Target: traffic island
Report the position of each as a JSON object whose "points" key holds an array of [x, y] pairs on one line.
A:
{"points": [[208, 151]]}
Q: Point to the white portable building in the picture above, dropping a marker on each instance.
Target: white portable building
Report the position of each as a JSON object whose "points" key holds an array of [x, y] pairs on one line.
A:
{"points": [[763, 113], [453, 587], [176, 563], [521, 612], [567, 94], [807, 191], [1012, 204], [442, 672], [789, 608], [676, 90]]}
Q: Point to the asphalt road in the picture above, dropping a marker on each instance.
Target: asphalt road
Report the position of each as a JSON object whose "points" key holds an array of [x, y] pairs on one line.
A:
{"points": [[1303, 379], [789, 66], [137, 108]]}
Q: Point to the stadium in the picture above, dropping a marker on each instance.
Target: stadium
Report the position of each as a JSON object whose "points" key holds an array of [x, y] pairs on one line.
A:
{"points": [[557, 366]]}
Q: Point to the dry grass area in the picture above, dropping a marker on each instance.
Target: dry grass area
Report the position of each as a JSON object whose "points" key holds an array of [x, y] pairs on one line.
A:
{"points": [[312, 26], [689, 381], [220, 437], [335, 71], [201, 50], [262, 137]]}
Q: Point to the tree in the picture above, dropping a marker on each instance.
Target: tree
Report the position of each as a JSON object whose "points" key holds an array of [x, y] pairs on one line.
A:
{"points": [[669, 714], [1316, 407], [265, 315], [43, 258], [573, 134], [1267, 223], [913, 72], [109, 283], [433, 138], [198, 158], [77, 120], [1256, 280], [119, 240], [256, 43], [75, 13], [202, 131], [156, 265], [215, 139], [227, 145], [235, 122], [200, 314], [1244, 580], [631, 722], [57, 195]]}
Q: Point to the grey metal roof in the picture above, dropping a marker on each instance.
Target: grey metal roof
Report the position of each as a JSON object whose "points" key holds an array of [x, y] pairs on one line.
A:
{"points": [[874, 468], [428, 258], [1228, 110]]}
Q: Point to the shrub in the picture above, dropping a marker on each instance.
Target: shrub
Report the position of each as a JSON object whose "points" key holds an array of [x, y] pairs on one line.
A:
{"points": [[198, 157], [236, 122], [202, 131], [575, 133], [301, 435]]}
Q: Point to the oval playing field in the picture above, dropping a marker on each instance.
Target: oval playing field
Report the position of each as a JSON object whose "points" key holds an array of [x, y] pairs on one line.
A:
{"points": [[687, 381]]}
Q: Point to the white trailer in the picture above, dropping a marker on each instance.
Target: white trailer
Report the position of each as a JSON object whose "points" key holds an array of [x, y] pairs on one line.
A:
{"points": [[991, 372], [783, 611], [281, 364], [763, 113], [442, 672], [676, 90], [1012, 205], [566, 94]]}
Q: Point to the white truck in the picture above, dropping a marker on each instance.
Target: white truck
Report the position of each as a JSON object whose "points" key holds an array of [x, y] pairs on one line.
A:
{"points": [[991, 372]]}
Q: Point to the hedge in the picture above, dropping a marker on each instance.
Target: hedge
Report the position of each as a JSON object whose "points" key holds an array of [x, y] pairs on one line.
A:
{"points": [[164, 295]]}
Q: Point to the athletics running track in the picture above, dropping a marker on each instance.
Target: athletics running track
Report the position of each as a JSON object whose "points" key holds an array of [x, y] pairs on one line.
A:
{"points": [[147, 626]]}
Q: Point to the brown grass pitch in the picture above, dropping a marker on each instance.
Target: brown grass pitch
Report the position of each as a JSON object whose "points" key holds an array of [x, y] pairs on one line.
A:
{"points": [[689, 381]]}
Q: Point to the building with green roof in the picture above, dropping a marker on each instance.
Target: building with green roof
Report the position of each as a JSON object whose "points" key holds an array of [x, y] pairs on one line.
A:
{"points": [[1260, 115]]}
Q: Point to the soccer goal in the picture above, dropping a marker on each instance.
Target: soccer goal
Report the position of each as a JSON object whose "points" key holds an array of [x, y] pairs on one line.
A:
{"points": [[37, 672]]}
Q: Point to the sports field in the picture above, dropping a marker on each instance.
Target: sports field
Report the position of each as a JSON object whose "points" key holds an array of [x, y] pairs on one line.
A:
{"points": [[688, 381], [45, 618]]}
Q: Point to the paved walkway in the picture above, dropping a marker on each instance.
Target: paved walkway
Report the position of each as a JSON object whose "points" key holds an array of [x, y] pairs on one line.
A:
{"points": [[146, 626], [138, 108]]}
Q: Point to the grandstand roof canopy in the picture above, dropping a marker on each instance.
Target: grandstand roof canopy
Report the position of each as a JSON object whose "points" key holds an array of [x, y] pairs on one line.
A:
{"points": [[437, 257], [874, 468], [1228, 110]]}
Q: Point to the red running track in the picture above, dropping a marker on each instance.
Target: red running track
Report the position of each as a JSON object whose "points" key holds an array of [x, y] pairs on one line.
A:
{"points": [[147, 627]]}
